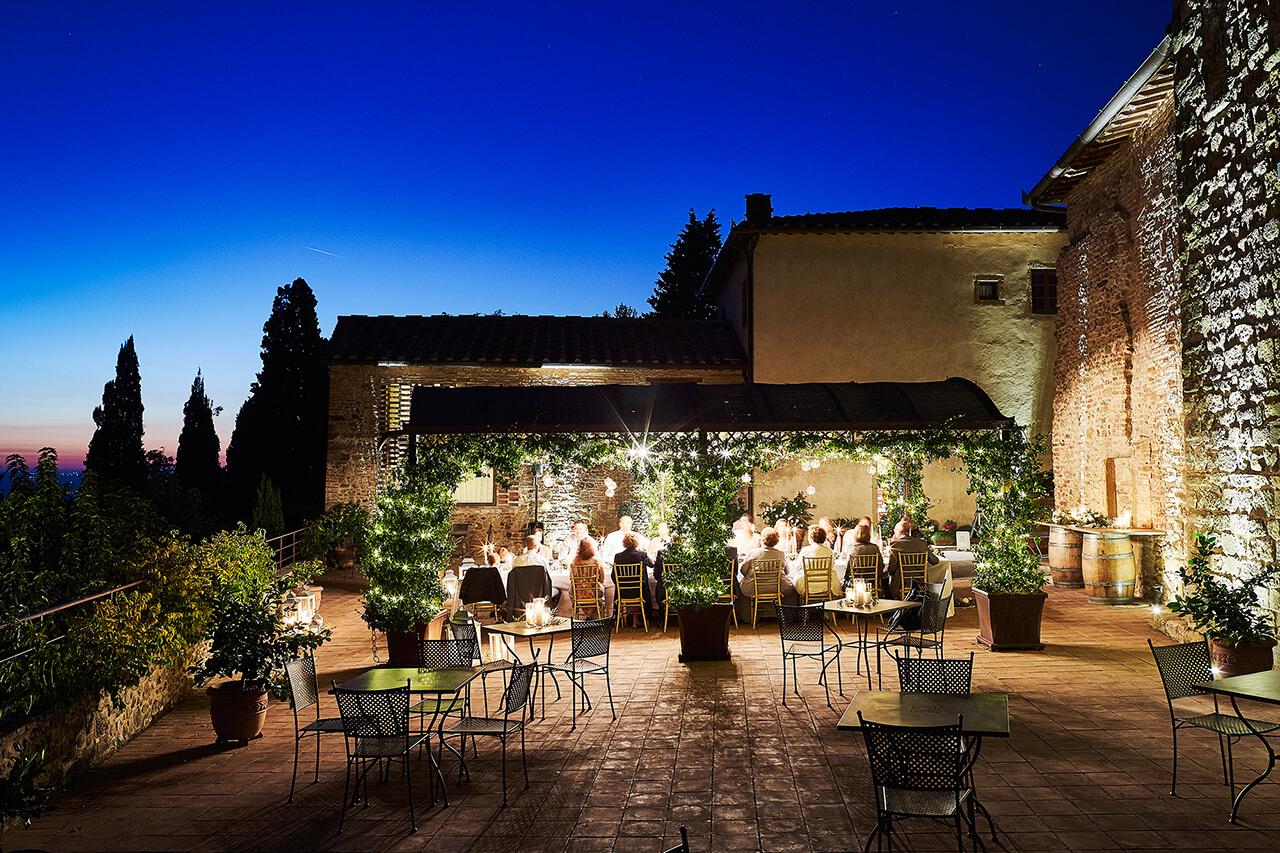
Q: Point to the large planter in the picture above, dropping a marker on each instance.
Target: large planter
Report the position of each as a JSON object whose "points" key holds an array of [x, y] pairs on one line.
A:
{"points": [[1231, 660], [1009, 621], [237, 714], [402, 646], [704, 634], [345, 557]]}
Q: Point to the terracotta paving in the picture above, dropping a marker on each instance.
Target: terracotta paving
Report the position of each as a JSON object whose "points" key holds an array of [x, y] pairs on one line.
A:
{"points": [[709, 746]]}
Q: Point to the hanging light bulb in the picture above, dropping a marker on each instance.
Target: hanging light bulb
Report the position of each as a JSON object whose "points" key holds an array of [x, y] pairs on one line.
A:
{"points": [[548, 481], [804, 466], [746, 478], [810, 491], [816, 464], [609, 487]]}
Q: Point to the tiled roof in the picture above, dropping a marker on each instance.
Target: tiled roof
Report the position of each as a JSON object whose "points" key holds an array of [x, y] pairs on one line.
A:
{"points": [[913, 219], [521, 340]]}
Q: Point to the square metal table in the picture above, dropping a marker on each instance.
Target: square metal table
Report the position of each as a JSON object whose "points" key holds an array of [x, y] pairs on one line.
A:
{"points": [[862, 617], [1260, 687], [562, 625]]}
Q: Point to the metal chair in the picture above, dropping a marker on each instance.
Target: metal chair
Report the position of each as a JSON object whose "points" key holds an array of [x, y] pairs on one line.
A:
{"points": [[817, 579], [867, 567], [466, 633], [585, 587], [683, 846], [443, 654], [768, 579], [804, 634], [629, 579], [376, 727], [590, 641], [514, 701], [304, 693], [1182, 666], [920, 772], [933, 622], [934, 675]]}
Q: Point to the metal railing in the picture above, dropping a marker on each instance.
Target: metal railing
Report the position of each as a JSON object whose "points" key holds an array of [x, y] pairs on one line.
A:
{"points": [[286, 547], [55, 609]]}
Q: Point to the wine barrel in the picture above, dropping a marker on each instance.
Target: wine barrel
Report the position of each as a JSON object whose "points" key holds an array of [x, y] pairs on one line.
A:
{"points": [[1106, 563], [1064, 557]]}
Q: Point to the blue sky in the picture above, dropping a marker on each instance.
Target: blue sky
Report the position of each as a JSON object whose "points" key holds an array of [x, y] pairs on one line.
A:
{"points": [[169, 167]]}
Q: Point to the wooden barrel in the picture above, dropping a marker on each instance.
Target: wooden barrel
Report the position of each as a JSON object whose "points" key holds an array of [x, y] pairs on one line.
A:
{"points": [[1064, 557], [1106, 563]]}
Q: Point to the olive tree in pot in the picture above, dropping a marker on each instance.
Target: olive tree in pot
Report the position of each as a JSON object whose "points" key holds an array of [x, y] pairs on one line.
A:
{"points": [[1241, 637], [247, 637], [338, 535]]}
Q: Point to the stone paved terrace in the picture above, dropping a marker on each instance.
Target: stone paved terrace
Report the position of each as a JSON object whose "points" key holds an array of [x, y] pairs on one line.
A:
{"points": [[708, 746]]}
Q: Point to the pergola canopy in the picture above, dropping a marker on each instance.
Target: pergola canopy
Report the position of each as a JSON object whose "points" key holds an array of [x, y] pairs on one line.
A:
{"points": [[752, 407]]}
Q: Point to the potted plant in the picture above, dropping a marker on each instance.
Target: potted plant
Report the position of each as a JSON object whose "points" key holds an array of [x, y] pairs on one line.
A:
{"points": [[1008, 587], [338, 534], [1241, 637], [247, 637]]}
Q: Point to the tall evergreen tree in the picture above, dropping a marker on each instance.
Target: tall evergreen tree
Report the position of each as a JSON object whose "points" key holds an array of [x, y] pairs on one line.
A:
{"points": [[675, 294], [198, 466], [115, 451], [281, 429]]}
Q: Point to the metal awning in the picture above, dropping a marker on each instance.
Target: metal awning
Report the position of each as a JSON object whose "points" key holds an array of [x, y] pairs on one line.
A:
{"points": [[750, 407]]}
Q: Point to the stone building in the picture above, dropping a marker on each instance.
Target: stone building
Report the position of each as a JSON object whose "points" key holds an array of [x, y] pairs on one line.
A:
{"points": [[897, 295], [1167, 393]]}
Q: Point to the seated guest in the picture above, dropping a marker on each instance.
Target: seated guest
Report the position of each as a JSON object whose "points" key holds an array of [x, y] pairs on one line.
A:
{"points": [[661, 539], [833, 538], [483, 583], [745, 537], [817, 547], [903, 543], [850, 542], [536, 530], [529, 579], [630, 555], [586, 556], [657, 545], [858, 543], [613, 542], [569, 545], [767, 551], [505, 557]]}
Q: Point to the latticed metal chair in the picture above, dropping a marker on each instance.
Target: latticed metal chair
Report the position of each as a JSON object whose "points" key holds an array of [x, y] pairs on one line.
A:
{"points": [[768, 580], [920, 772], [930, 634], [731, 569], [443, 654], [817, 579], [514, 702], [867, 567], [304, 693], [585, 586], [629, 580], [683, 846], [914, 568], [376, 727], [590, 642], [934, 675], [466, 633], [1182, 666], [804, 635]]}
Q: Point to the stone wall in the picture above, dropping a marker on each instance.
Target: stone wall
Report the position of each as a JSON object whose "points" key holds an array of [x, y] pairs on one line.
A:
{"points": [[1118, 440], [1228, 137]]}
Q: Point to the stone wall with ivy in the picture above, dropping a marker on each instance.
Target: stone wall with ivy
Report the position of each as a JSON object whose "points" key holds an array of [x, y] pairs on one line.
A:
{"points": [[1228, 138]]}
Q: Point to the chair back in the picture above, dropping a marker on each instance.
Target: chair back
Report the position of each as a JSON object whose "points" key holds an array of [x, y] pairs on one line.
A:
{"points": [[803, 624], [868, 568], [934, 675], [628, 577], [933, 614], [465, 633], [585, 579], [817, 578], [916, 758], [444, 654], [768, 577], [1182, 666], [517, 695], [590, 637], [303, 692], [914, 567], [374, 713]]}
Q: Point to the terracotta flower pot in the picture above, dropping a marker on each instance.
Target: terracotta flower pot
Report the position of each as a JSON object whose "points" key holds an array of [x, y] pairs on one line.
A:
{"points": [[704, 634], [236, 713], [402, 646], [1008, 621], [1231, 660]]}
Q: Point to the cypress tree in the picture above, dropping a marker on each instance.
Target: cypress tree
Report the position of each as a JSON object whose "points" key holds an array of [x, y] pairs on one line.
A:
{"points": [[282, 427], [115, 451], [197, 464], [675, 294]]}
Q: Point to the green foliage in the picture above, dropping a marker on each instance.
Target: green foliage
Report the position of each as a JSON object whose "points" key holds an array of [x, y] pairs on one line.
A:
{"points": [[115, 451], [1226, 610], [196, 462], [676, 292], [1008, 482], [796, 510], [246, 631], [21, 794], [900, 478], [341, 523], [622, 312], [282, 427], [268, 514]]}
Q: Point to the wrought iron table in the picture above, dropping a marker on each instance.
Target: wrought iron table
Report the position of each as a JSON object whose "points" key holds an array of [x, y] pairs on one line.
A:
{"points": [[1260, 687], [862, 617], [562, 625]]}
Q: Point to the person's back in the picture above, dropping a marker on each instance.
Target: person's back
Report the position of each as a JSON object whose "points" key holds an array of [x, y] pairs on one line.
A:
{"points": [[482, 583], [524, 584], [903, 543]]}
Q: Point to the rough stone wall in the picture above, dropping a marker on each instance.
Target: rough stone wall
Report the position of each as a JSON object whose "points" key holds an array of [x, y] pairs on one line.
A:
{"points": [[1117, 429], [1228, 136]]}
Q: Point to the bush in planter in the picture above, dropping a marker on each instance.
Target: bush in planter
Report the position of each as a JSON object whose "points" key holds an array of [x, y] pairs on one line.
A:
{"points": [[343, 524], [1225, 611]]}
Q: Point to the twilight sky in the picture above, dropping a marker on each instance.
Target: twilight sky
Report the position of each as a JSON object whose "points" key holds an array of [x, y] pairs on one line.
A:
{"points": [[168, 166]]}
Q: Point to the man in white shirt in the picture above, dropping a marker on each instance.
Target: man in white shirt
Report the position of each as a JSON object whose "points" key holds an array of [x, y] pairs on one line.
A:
{"points": [[569, 545], [613, 542], [529, 579]]}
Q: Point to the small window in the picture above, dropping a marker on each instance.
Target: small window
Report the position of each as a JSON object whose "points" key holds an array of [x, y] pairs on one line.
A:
{"points": [[986, 289], [1044, 291], [477, 490]]}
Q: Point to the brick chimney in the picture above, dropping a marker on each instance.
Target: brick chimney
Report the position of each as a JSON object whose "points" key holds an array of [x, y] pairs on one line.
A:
{"points": [[759, 208]]}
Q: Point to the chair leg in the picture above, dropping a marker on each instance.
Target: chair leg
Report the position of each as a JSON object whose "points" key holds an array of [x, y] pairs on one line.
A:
{"points": [[1173, 789], [297, 741], [408, 782], [504, 770], [346, 786], [317, 756], [523, 761], [784, 676]]}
